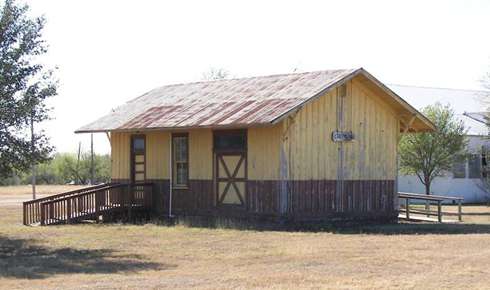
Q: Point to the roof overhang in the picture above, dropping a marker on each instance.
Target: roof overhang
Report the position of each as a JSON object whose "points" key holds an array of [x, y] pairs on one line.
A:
{"points": [[410, 118]]}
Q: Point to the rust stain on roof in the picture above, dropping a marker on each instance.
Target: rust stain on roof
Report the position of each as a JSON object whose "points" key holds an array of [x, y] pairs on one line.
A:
{"points": [[235, 102]]}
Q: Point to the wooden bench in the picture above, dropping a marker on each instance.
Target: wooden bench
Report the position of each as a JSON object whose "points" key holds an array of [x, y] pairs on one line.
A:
{"points": [[430, 198]]}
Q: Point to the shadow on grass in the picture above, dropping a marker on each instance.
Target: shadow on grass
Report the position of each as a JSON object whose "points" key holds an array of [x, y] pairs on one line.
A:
{"points": [[337, 227], [413, 229], [21, 258]]}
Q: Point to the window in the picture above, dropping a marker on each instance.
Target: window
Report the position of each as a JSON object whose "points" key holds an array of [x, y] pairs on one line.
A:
{"points": [[180, 162], [230, 141], [474, 166], [138, 144], [459, 169]]}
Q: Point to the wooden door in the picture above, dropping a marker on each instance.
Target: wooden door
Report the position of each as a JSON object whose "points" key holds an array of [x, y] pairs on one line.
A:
{"points": [[231, 178], [230, 167], [138, 165]]}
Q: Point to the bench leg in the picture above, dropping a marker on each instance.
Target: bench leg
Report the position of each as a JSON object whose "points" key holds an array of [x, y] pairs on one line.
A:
{"points": [[439, 213], [460, 212], [407, 208]]}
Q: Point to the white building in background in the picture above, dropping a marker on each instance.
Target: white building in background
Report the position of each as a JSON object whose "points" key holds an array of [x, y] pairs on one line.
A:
{"points": [[465, 177]]}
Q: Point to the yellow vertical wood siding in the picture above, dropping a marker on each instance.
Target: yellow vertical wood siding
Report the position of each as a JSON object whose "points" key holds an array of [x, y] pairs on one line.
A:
{"points": [[311, 153], [120, 149], [263, 152], [201, 154], [157, 154], [308, 152]]}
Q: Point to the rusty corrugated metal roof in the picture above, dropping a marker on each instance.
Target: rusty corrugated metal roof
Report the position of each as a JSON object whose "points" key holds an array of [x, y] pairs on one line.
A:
{"points": [[232, 103], [224, 103]]}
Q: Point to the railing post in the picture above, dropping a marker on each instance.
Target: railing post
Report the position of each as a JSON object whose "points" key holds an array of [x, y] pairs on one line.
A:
{"points": [[460, 211], [68, 211], [97, 213], [43, 214], [439, 212], [24, 209], [130, 201], [407, 208]]}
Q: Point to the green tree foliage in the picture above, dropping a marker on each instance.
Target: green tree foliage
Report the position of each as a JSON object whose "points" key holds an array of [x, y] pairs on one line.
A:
{"points": [[429, 154], [65, 168], [24, 86]]}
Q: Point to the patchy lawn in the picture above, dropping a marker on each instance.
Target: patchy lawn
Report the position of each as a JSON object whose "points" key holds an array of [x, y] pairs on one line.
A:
{"points": [[407, 255], [44, 190], [14, 195]]}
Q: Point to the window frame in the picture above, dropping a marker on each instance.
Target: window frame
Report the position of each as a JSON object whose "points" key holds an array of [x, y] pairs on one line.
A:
{"points": [[174, 162]]}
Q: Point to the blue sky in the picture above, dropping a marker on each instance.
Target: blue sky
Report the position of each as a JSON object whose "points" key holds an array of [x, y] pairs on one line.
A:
{"points": [[111, 51]]}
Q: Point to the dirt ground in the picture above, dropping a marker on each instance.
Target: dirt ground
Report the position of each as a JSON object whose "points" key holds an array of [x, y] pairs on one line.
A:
{"points": [[151, 256]]}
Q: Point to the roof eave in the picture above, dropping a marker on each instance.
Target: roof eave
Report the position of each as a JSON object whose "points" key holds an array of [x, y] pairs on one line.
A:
{"points": [[212, 127], [317, 95], [400, 100]]}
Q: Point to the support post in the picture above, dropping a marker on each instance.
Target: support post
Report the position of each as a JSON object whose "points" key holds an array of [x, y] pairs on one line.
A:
{"points": [[407, 207], [92, 173], [460, 211], [439, 213]]}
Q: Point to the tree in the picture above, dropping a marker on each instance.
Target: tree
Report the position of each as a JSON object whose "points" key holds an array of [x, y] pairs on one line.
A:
{"points": [[70, 169], [215, 74], [25, 84], [65, 168], [429, 154]]}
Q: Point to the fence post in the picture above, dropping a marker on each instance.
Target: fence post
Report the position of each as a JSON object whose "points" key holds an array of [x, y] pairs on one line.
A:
{"points": [[460, 212], [407, 207], [439, 213]]}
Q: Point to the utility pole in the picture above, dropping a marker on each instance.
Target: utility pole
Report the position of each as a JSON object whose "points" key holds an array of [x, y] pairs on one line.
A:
{"points": [[78, 181], [92, 173], [33, 163]]}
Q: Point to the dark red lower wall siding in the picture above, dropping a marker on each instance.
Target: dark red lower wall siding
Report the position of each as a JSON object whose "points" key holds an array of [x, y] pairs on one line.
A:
{"points": [[263, 197], [326, 198], [305, 199]]}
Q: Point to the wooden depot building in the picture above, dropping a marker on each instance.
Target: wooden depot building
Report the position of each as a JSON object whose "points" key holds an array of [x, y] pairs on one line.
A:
{"points": [[315, 145]]}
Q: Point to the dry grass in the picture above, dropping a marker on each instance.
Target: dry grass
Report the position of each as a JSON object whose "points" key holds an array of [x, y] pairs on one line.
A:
{"points": [[40, 189], [426, 256]]}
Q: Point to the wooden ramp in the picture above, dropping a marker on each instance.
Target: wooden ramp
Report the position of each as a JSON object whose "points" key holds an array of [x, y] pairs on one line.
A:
{"points": [[88, 203]]}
